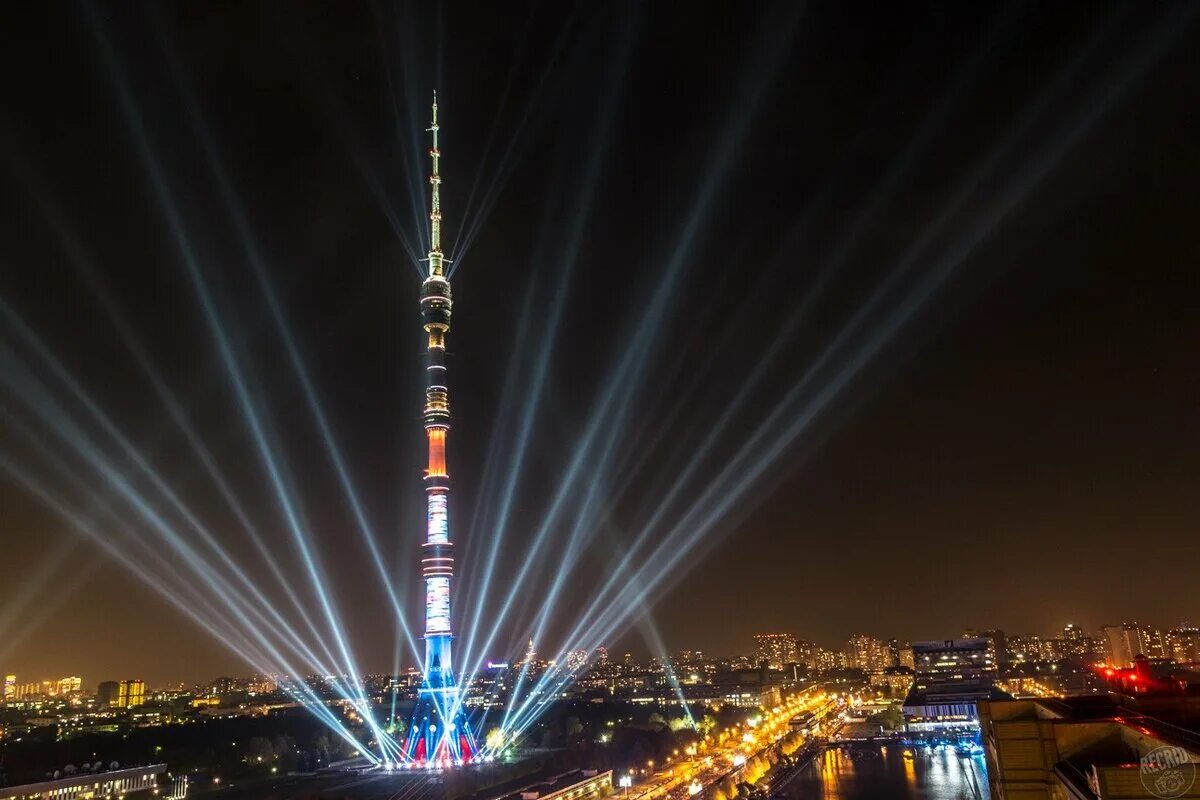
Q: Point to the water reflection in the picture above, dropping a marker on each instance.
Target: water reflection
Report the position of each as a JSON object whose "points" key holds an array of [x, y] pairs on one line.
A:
{"points": [[886, 773]]}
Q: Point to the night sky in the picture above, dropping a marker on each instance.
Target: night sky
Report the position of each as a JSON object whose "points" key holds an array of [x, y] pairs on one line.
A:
{"points": [[879, 318]]}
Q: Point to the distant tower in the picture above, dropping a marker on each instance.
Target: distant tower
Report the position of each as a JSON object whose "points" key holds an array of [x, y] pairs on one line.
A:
{"points": [[439, 731]]}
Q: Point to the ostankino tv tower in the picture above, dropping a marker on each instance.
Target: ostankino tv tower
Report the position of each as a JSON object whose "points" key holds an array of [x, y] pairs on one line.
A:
{"points": [[440, 732]]}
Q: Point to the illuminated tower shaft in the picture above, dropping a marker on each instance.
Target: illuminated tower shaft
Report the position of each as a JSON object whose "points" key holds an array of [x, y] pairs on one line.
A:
{"points": [[437, 560], [440, 732]]}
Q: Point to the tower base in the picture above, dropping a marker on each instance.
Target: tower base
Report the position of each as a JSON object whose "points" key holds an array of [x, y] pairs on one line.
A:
{"points": [[440, 733]]}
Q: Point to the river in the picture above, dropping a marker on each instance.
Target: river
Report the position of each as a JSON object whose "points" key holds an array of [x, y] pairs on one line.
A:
{"points": [[883, 773]]}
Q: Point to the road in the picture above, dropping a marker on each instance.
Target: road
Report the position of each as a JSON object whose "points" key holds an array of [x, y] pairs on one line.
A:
{"points": [[686, 775], [724, 753]]}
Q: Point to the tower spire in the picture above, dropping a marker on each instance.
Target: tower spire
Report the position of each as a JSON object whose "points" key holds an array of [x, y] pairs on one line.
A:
{"points": [[436, 261]]}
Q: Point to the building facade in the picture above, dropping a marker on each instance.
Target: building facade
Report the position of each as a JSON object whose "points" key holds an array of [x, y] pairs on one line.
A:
{"points": [[1183, 644], [868, 654], [952, 677], [142, 781], [775, 649], [1122, 643], [131, 693], [1084, 748]]}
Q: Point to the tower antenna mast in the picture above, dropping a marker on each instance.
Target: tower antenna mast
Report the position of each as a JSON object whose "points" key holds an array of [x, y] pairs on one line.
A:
{"points": [[436, 259]]}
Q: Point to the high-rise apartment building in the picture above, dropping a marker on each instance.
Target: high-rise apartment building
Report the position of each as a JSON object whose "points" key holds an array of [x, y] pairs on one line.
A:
{"points": [[775, 649], [806, 653], [997, 644], [1122, 643], [130, 693], [868, 653], [1077, 644], [1072, 633], [1183, 644]]}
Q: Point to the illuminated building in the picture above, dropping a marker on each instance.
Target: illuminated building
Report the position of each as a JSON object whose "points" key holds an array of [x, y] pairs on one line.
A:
{"points": [[131, 693], [439, 732], [952, 676], [1183, 644], [897, 680], [830, 660], [998, 648], [957, 660], [262, 685], [817, 658], [806, 653], [576, 785], [70, 685], [124, 694], [10, 687], [91, 783], [1077, 644], [577, 660], [1123, 642], [775, 649], [868, 654], [1024, 649]]}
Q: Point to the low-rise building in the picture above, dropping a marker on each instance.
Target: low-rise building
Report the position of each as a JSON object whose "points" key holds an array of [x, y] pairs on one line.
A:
{"points": [[586, 784], [1086, 747], [112, 783], [896, 680]]}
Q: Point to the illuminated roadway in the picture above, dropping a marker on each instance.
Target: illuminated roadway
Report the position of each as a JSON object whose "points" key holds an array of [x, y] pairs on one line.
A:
{"points": [[726, 753], [687, 775]]}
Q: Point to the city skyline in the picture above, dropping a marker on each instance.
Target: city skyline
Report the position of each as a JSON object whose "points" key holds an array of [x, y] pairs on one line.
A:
{"points": [[1001, 454], [643, 655]]}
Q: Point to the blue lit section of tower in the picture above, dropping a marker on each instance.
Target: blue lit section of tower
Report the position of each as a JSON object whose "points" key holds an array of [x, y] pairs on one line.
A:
{"points": [[440, 733]]}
